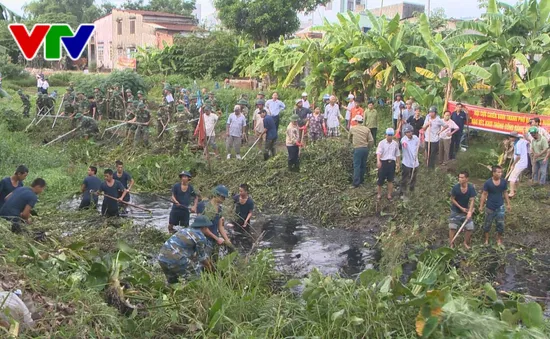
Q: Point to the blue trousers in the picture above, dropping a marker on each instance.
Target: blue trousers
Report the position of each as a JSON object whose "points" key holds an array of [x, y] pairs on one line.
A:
{"points": [[360, 156]]}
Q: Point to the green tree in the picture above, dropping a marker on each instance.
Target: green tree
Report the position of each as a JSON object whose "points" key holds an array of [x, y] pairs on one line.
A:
{"points": [[263, 20], [6, 14], [74, 11], [183, 7]]}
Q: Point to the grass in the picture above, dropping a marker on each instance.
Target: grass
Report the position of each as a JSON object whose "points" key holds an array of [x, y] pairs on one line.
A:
{"points": [[245, 298]]}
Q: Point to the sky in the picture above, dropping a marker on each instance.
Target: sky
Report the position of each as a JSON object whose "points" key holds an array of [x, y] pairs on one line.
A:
{"points": [[453, 8]]}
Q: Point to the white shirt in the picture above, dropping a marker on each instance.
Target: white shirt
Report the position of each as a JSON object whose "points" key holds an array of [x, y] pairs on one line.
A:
{"points": [[169, 98], [388, 151], [45, 84], [332, 113], [520, 149], [446, 134], [350, 106], [209, 123], [432, 134], [274, 107], [396, 108], [305, 103], [39, 83], [410, 151]]}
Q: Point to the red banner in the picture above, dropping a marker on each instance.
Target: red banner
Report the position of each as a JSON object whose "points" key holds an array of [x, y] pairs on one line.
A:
{"points": [[123, 62], [498, 121]]}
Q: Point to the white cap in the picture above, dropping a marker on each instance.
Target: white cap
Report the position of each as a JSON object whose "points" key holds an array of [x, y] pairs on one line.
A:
{"points": [[351, 96], [390, 131], [304, 94], [358, 118]]}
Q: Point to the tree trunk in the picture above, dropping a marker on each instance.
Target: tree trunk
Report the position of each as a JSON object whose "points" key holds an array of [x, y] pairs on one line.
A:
{"points": [[448, 93]]}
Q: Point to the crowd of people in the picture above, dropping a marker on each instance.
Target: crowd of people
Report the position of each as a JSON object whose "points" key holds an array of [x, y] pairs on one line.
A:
{"points": [[411, 134]]}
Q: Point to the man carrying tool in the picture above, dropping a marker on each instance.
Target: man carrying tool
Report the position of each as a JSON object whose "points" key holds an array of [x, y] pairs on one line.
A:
{"points": [[90, 183], [185, 200], [182, 132], [111, 189], [494, 194], [410, 144], [235, 130], [521, 162], [126, 180], [87, 126], [177, 252], [270, 131], [432, 127], [26, 103], [302, 113], [210, 121], [100, 101], [258, 123], [463, 197], [212, 209], [143, 119], [244, 205], [20, 202]]}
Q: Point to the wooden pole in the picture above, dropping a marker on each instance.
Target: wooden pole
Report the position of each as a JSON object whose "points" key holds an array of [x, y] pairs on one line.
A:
{"points": [[124, 202], [58, 110], [61, 136], [459, 230]]}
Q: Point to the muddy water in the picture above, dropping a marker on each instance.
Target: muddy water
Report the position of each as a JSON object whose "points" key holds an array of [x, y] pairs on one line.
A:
{"points": [[297, 245]]}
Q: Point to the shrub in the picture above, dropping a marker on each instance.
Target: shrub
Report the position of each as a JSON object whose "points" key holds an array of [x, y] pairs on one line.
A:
{"points": [[12, 119]]}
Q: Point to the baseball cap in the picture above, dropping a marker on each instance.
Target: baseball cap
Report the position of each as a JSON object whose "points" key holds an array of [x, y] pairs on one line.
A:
{"points": [[390, 131]]}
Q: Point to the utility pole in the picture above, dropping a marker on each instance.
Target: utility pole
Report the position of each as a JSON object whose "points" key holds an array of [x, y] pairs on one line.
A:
{"points": [[381, 5], [429, 9]]}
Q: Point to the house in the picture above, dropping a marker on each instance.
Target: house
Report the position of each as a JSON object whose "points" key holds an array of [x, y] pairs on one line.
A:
{"points": [[330, 12], [405, 10], [118, 34]]}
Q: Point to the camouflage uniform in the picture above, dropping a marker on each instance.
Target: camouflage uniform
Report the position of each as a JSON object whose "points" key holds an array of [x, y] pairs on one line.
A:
{"points": [[142, 132], [194, 110], [117, 105], [141, 98], [169, 105], [87, 127], [49, 105], [82, 104], [182, 127], [162, 118], [68, 102], [131, 108], [39, 105], [176, 253], [100, 101], [129, 95], [26, 103], [211, 101]]}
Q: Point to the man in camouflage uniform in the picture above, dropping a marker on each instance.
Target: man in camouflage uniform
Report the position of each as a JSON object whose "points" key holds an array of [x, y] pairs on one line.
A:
{"points": [[69, 103], [194, 111], [131, 109], [177, 95], [48, 104], [100, 102], [71, 86], [163, 118], [141, 98], [186, 98], [211, 101], [87, 126], [129, 95], [26, 103], [82, 103], [39, 104], [182, 127], [143, 116], [117, 106], [169, 100]]}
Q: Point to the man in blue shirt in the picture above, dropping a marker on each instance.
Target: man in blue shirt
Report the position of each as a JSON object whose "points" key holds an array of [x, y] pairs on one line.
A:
{"points": [[494, 194], [126, 180], [460, 118], [176, 253], [112, 189], [90, 183], [18, 205], [184, 198], [463, 197], [274, 106], [270, 131], [9, 184], [244, 205], [212, 209]]}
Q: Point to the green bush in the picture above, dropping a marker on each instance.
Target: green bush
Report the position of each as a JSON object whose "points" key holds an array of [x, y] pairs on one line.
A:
{"points": [[8, 69], [12, 119], [126, 79]]}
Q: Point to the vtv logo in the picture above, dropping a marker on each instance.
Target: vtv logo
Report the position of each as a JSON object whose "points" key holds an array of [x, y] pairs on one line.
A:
{"points": [[52, 35]]}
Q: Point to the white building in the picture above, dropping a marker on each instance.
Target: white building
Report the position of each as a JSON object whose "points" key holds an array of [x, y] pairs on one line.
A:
{"points": [[330, 12]]}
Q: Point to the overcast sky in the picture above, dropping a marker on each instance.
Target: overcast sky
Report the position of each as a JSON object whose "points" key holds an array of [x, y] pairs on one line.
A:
{"points": [[453, 8]]}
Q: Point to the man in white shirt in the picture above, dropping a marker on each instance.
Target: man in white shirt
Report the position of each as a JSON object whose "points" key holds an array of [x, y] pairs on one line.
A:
{"points": [[39, 84], [410, 144], [210, 121], [235, 131], [445, 137], [332, 116], [396, 109], [274, 106], [432, 127], [387, 161], [45, 86], [348, 108], [520, 163], [305, 102]]}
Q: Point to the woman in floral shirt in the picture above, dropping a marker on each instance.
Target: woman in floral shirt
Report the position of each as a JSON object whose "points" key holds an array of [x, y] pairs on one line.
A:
{"points": [[315, 125]]}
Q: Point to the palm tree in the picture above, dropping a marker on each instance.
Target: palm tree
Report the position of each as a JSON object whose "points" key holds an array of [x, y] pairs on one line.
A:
{"points": [[446, 66]]}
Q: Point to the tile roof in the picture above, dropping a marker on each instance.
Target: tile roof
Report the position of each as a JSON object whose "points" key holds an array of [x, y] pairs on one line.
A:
{"points": [[153, 13], [174, 27]]}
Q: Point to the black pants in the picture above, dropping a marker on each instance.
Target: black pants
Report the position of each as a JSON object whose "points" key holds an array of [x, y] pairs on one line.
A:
{"points": [[387, 172], [373, 132], [109, 210], [276, 119], [433, 153], [87, 204], [394, 124], [16, 223], [408, 178], [293, 158], [455, 144], [269, 149]]}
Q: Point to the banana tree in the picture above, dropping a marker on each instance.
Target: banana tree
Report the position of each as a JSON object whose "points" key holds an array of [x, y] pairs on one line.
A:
{"points": [[536, 88], [448, 67], [384, 49], [8, 15]]}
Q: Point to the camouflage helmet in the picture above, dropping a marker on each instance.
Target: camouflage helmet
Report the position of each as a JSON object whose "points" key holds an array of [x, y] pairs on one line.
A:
{"points": [[78, 115], [210, 93], [180, 108], [260, 102], [136, 103], [141, 105], [128, 91], [177, 86], [80, 92], [19, 91], [97, 87], [116, 85], [69, 89], [139, 92], [207, 108], [242, 102], [432, 109], [39, 95]]}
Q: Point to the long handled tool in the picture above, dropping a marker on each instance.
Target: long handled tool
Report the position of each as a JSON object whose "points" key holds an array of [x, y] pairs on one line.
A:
{"points": [[58, 110], [110, 128], [125, 203], [170, 201], [254, 144], [60, 137], [459, 230]]}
